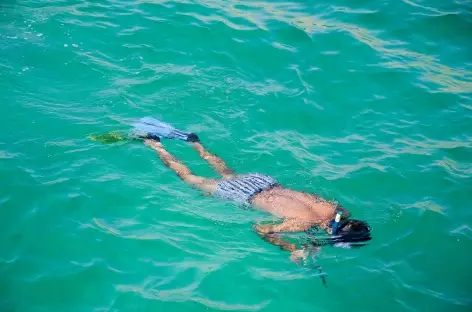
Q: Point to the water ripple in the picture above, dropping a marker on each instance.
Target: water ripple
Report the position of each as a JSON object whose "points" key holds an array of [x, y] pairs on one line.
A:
{"points": [[363, 102]]}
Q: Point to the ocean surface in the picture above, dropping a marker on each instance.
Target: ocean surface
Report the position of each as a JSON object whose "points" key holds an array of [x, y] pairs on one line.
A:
{"points": [[363, 102]]}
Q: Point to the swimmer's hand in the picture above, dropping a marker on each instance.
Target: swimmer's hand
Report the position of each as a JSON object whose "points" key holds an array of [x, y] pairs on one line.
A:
{"points": [[298, 255], [263, 229]]}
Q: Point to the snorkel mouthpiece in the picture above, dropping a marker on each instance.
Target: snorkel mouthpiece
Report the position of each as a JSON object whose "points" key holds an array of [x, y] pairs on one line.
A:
{"points": [[336, 222]]}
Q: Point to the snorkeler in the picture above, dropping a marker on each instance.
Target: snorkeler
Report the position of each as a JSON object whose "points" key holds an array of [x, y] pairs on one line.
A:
{"points": [[300, 211]]}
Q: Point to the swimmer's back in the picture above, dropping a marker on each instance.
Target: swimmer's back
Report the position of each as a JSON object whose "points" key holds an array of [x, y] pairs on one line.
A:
{"points": [[291, 204]]}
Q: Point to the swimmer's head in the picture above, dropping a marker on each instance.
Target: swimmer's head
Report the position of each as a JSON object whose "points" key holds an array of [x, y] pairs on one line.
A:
{"points": [[349, 233]]}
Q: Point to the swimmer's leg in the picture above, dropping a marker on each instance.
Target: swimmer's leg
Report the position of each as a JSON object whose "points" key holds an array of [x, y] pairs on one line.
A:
{"points": [[217, 163], [207, 185]]}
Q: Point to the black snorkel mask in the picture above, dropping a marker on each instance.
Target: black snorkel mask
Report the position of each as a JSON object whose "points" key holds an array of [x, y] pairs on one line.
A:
{"points": [[345, 233]]}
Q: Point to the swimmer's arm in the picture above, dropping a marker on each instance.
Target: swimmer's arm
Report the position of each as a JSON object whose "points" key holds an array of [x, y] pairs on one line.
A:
{"points": [[275, 240], [289, 225], [267, 232]]}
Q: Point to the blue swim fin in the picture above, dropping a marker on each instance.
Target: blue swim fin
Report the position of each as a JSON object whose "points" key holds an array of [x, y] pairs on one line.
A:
{"points": [[151, 128]]}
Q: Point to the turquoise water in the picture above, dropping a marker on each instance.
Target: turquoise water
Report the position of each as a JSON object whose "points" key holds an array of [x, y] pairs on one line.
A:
{"points": [[366, 102]]}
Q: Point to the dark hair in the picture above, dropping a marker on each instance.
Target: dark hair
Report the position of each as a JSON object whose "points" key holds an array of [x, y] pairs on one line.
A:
{"points": [[351, 232]]}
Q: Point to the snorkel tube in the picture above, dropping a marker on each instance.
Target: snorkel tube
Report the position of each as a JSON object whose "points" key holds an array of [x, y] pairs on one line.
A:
{"points": [[335, 226]]}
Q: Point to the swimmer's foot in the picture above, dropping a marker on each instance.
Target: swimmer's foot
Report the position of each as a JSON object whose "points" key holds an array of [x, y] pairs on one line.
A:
{"points": [[151, 128], [192, 137]]}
